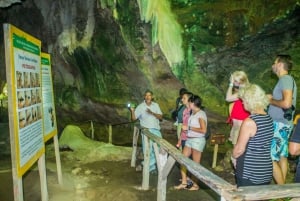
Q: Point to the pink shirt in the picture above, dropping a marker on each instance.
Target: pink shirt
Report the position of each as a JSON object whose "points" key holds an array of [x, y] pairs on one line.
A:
{"points": [[185, 120]]}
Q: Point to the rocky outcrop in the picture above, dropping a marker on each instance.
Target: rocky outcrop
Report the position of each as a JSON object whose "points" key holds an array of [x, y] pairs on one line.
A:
{"points": [[6, 3], [103, 56]]}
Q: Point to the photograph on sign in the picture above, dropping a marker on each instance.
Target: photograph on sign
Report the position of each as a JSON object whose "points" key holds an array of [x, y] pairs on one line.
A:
{"points": [[23, 53]]}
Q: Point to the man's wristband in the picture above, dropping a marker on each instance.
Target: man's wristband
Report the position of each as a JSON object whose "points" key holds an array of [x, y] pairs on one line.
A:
{"points": [[231, 84]]}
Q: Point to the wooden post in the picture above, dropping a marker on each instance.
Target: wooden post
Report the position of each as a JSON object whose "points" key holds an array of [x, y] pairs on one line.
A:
{"points": [[136, 133], [216, 147], [17, 186], [227, 191], [17, 181], [146, 166], [222, 199], [92, 130], [158, 162], [57, 158], [164, 169], [109, 134], [43, 178]]}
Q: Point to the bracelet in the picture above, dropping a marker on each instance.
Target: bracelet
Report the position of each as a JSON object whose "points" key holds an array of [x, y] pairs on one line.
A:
{"points": [[231, 84]]}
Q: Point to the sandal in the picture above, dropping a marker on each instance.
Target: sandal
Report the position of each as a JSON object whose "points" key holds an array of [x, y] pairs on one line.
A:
{"points": [[194, 188], [180, 186]]}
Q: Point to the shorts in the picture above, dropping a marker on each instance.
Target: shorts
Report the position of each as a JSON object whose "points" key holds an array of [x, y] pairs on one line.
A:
{"points": [[235, 130], [197, 143], [279, 146], [183, 143]]}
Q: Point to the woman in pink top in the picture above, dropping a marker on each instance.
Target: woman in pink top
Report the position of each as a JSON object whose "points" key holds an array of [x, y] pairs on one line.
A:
{"points": [[195, 142], [237, 113], [185, 118]]}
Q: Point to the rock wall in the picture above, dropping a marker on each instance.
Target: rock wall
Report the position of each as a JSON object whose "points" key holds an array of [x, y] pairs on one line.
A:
{"points": [[103, 56]]}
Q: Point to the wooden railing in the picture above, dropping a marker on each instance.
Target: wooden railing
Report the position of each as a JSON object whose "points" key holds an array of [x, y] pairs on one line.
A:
{"points": [[108, 127], [226, 190]]}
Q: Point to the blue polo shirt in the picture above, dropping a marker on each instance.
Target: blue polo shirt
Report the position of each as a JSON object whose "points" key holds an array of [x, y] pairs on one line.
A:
{"points": [[148, 120]]}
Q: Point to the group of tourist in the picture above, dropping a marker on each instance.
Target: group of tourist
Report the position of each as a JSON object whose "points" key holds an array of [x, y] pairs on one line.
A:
{"points": [[261, 127], [261, 149], [191, 136]]}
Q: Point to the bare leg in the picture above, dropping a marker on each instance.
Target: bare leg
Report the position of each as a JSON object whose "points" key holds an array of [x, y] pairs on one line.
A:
{"points": [[283, 163], [235, 130], [186, 152], [277, 173], [196, 155]]}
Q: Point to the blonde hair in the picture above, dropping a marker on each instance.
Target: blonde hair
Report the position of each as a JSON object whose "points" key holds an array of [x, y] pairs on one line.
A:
{"points": [[254, 97], [241, 77]]}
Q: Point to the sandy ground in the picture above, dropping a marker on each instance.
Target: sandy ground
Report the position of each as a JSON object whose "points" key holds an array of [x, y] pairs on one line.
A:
{"points": [[95, 171], [98, 181]]}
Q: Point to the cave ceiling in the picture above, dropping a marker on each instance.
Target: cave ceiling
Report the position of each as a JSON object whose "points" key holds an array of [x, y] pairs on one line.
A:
{"points": [[107, 53]]}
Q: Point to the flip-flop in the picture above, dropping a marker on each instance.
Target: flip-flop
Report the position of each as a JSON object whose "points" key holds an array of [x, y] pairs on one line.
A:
{"points": [[193, 188], [180, 187]]}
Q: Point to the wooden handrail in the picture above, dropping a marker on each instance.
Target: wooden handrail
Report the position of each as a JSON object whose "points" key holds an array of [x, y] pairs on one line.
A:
{"points": [[269, 191], [226, 190], [215, 182]]}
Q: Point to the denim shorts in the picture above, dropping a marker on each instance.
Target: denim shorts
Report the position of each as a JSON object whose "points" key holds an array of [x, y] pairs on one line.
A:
{"points": [[197, 143]]}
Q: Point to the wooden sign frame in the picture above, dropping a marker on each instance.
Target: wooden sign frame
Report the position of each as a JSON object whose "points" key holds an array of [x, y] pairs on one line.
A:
{"points": [[23, 72], [50, 126]]}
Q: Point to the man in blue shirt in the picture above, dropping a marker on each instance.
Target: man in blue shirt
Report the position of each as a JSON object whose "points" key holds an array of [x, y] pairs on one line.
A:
{"points": [[149, 114], [282, 100]]}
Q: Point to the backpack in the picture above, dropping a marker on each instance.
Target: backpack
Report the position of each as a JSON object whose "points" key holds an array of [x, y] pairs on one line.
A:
{"points": [[174, 114]]}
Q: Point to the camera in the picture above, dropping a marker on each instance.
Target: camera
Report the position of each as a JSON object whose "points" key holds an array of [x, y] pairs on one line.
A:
{"points": [[288, 113], [236, 86]]}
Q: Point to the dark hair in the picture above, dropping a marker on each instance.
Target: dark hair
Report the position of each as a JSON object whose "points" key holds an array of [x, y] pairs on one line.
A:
{"points": [[286, 60], [182, 91], [189, 94], [148, 91], [197, 101]]}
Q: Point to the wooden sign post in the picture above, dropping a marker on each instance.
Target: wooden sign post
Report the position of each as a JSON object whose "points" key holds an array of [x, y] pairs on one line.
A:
{"points": [[215, 140], [23, 73], [50, 128]]}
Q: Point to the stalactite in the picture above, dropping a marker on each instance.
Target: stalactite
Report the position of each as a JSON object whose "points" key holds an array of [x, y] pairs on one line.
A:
{"points": [[165, 30]]}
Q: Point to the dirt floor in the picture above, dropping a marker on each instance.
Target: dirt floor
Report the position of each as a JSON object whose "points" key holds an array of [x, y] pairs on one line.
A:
{"points": [[99, 181], [108, 180]]}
